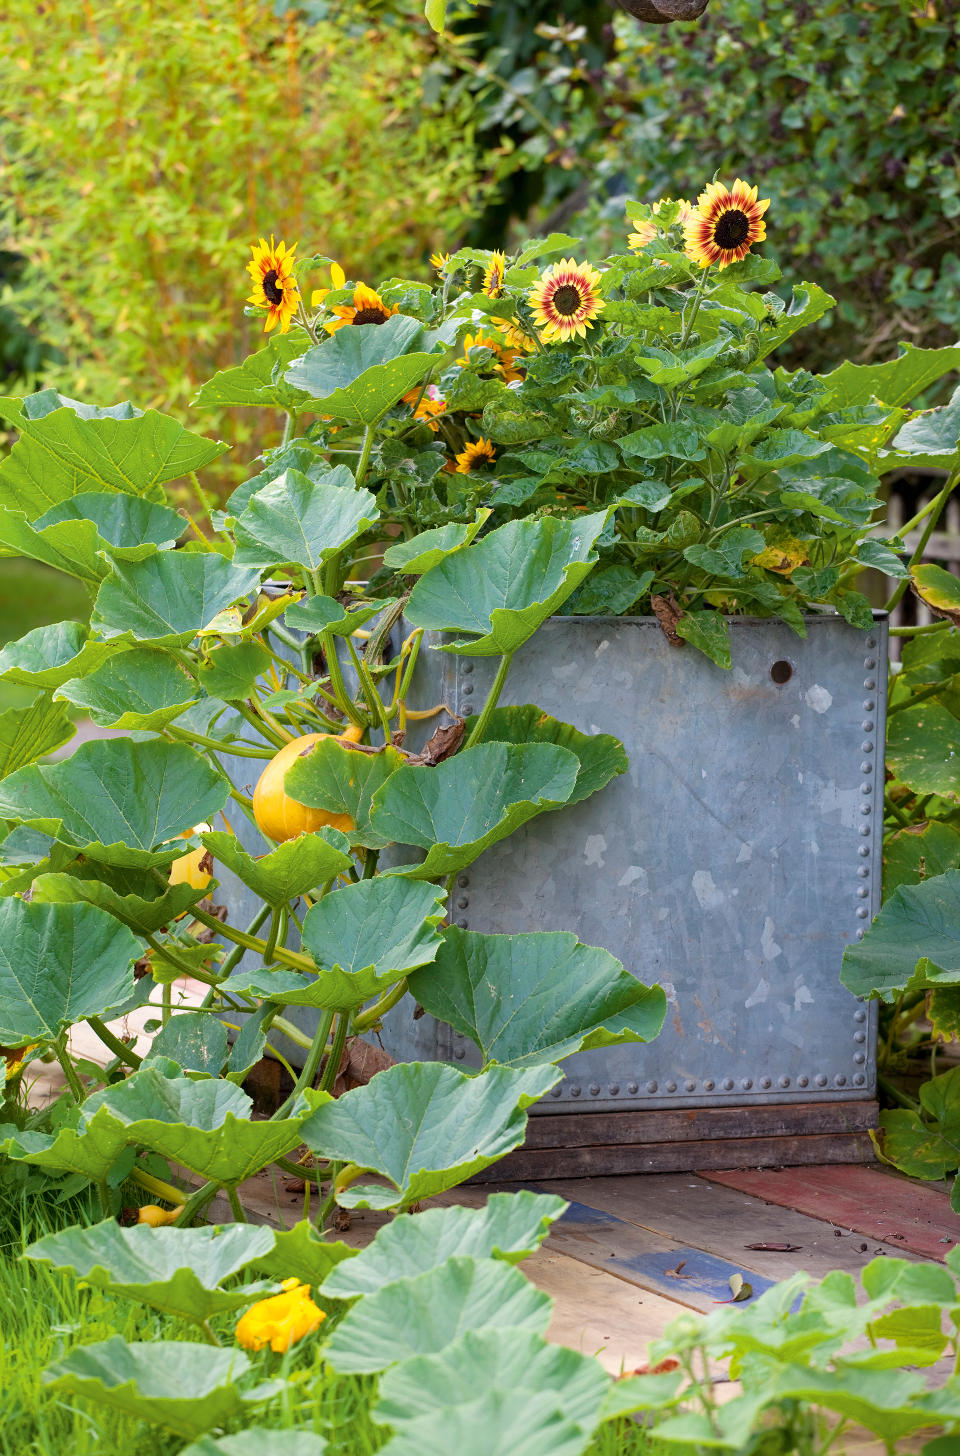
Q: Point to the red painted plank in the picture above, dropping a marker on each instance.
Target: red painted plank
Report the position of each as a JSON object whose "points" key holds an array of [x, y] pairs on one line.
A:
{"points": [[898, 1210]]}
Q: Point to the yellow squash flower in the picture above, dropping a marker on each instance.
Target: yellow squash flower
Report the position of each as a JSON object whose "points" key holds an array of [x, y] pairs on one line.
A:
{"points": [[274, 286], [281, 1320], [725, 224]]}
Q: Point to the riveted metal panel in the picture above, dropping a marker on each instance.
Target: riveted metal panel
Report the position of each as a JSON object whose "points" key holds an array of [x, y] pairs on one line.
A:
{"points": [[732, 864]]}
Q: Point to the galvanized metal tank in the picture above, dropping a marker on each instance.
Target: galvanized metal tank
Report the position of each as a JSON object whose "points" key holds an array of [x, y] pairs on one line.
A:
{"points": [[732, 864]]}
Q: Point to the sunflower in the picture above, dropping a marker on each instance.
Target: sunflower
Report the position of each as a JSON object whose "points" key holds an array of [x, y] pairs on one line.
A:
{"points": [[367, 308], [646, 229], [479, 340], [725, 224], [493, 275], [514, 334], [337, 277], [439, 261], [274, 286], [428, 406], [475, 453], [565, 300]]}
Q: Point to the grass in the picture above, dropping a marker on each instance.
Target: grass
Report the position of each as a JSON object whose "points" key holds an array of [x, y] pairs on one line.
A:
{"points": [[31, 596], [43, 1315]]}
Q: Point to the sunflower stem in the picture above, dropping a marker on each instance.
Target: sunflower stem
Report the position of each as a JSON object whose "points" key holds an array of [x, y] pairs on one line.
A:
{"points": [[695, 307], [364, 460]]}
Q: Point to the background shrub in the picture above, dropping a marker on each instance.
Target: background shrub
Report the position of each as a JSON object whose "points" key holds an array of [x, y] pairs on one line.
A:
{"points": [[151, 143]]}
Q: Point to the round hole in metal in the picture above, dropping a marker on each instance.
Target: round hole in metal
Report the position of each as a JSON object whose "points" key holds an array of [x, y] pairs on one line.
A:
{"points": [[781, 672]]}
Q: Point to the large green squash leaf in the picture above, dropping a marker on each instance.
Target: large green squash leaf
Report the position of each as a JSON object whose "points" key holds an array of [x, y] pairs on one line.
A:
{"points": [[493, 1360], [61, 454], [141, 689], [49, 656], [204, 1126], [926, 1144], [186, 1388], [59, 964], [457, 809], [923, 749], [124, 523], [494, 1423], [175, 1270], [123, 803], [292, 868], [424, 1315], [529, 999], [170, 597], [323, 614], [193, 1041], [145, 913], [27, 734], [295, 519], [69, 546], [302, 1253], [919, 853], [896, 382], [366, 937], [914, 941], [601, 755], [329, 775], [509, 1226], [425, 1127], [424, 552], [500, 589], [259, 1441], [359, 373], [258, 381]]}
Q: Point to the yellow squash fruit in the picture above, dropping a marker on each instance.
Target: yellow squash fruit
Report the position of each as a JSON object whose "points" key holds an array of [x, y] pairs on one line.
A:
{"points": [[156, 1216], [278, 816], [196, 868]]}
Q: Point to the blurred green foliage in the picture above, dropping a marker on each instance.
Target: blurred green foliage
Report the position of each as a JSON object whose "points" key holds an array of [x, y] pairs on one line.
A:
{"points": [[151, 143]]}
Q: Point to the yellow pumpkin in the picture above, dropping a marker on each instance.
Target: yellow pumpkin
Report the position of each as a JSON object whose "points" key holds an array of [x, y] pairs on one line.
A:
{"points": [[190, 869], [278, 816], [157, 1217]]}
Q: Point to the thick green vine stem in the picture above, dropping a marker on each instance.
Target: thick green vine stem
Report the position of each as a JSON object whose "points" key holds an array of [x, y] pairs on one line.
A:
{"points": [[493, 698], [934, 510], [314, 1056]]}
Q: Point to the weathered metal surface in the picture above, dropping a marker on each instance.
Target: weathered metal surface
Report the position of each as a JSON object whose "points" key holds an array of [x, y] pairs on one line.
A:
{"points": [[733, 863]]}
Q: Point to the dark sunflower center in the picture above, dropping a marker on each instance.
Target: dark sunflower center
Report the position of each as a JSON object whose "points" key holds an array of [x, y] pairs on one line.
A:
{"points": [[731, 229], [369, 316], [567, 300], [271, 292]]}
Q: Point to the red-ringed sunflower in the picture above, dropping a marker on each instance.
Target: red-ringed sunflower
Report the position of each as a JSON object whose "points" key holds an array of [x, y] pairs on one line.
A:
{"points": [[367, 308], [565, 300], [274, 286], [474, 455], [646, 228], [493, 274], [725, 224]]}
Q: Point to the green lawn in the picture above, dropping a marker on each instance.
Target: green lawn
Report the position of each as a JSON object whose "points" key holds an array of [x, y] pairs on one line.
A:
{"points": [[31, 596]]}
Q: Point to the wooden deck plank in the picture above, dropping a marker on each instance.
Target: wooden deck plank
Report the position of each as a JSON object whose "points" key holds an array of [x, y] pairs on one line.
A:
{"points": [[722, 1220], [907, 1215]]}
